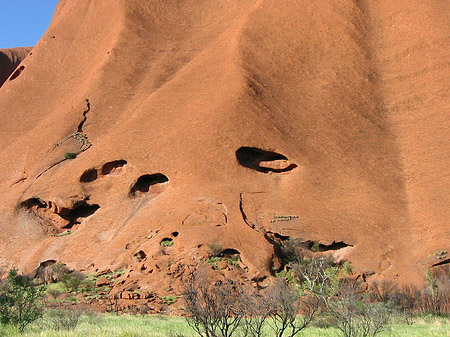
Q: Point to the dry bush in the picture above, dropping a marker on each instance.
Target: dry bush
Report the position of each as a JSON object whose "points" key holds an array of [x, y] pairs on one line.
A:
{"points": [[213, 308], [258, 309], [432, 299], [384, 291], [287, 302], [354, 315], [65, 319]]}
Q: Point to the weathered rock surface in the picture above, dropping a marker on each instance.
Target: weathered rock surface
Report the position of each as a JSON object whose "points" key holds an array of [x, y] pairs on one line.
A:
{"points": [[227, 122]]}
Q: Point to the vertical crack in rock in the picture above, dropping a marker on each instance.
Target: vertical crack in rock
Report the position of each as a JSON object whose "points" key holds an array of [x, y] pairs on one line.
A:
{"points": [[79, 136]]}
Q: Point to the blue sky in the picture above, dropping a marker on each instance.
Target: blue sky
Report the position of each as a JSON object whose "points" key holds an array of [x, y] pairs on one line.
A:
{"points": [[23, 22]]}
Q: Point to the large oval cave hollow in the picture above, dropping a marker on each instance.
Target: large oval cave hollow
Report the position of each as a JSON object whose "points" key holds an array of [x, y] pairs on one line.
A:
{"points": [[149, 183], [263, 161]]}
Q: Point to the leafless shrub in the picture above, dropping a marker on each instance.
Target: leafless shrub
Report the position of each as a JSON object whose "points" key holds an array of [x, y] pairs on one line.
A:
{"points": [[54, 293], [432, 299], [213, 308], [258, 308], [287, 302], [384, 291], [356, 316], [65, 319], [113, 304]]}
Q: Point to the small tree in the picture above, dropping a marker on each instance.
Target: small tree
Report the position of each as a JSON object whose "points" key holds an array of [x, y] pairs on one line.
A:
{"points": [[287, 301], [258, 309], [318, 276], [20, 301], [213, 308], [72, 281], [356, 316]]}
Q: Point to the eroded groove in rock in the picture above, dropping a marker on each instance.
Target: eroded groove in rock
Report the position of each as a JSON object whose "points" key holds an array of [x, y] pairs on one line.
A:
{"points": [[149, 184], [263, 161], [244, 216], [59, 217], [88, 108], [112, 166], [79, 136], [441, 263]]}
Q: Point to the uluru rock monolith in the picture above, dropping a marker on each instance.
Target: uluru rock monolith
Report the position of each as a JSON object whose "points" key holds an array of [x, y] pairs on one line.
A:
{"points": [[140, 138]]}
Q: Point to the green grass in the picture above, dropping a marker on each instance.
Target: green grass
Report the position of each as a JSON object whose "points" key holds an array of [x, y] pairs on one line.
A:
{"points": [[109, 325]]}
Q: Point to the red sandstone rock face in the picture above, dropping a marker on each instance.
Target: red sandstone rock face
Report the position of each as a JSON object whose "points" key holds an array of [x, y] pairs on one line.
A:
{"points": [[9, 60], [228, 123]]}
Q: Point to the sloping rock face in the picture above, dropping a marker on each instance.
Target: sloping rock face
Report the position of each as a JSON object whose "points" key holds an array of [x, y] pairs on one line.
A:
{"points": [[9, 60], [166, 126]]}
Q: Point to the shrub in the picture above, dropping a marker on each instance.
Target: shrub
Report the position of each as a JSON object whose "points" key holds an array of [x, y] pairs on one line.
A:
{"points": [[169, 300], [258, 309], [70, 155], [20, 301], [215, 249], [65, 319], [55, 289], [72, 281], [318, 276], [213, 309], [167, 242], [355, 316], [286, 301], [433, 299]]}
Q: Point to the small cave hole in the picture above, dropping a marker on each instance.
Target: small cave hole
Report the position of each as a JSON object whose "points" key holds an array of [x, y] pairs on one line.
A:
{"points": [[263, 161], [17, 73], [175, 234], [153, 183], [33, 202], [282, 237], [229, 252], [315, 246], [112, 166], [139, 256], [41, 272], [89, 175], [166, 242], [74, 215]]}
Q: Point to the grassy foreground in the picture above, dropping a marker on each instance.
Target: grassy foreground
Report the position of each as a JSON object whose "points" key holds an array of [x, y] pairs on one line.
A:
{"points": [[164, 326]]}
